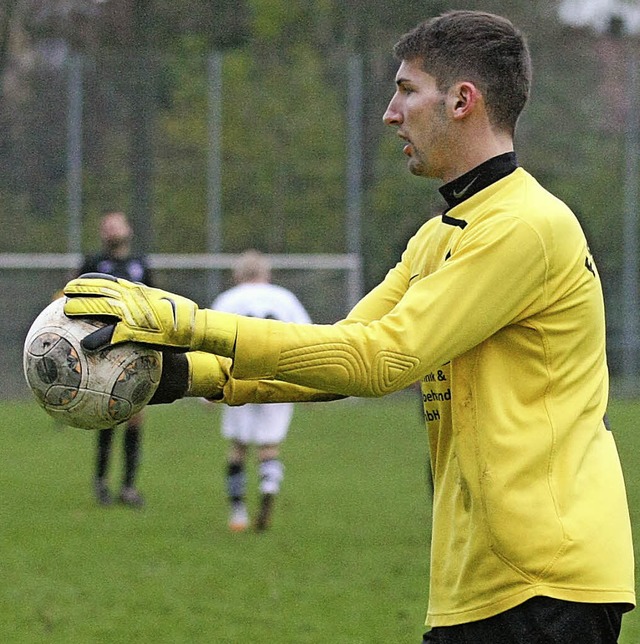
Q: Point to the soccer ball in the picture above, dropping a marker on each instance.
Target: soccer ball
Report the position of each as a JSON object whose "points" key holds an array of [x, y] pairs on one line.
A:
{"points": [[86, 389]]}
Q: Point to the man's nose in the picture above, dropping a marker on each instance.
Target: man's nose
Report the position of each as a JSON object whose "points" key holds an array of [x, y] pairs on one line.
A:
{"points": [[391, 115]]}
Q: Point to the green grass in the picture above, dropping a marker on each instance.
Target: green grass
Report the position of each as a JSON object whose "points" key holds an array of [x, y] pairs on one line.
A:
{"points": [[346, 561]]}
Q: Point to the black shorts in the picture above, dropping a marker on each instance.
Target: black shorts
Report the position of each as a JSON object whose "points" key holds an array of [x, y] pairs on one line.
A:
{"points": [[541, 620]]}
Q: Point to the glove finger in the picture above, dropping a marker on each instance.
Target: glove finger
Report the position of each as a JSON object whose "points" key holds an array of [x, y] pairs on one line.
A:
{"points": [[98, 339], [104, 276], [92, 306], [92, 286]]}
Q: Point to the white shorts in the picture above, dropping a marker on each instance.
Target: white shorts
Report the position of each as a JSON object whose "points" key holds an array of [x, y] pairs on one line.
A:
{"points": [[257, 424]]}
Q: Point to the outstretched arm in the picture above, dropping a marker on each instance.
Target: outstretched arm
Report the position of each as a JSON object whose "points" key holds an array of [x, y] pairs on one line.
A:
{"points": [[438, 317], [163, 319]]}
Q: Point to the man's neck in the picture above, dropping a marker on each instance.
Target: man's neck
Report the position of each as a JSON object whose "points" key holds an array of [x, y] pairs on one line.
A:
{"points": [[478, 178], [475, 145]]}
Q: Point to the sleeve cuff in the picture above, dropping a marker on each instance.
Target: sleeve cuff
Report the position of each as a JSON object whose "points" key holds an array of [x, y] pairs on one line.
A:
{"points": [[257, 351]]}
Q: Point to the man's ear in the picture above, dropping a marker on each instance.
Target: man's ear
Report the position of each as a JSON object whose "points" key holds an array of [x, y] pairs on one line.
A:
{"points": [[463, 99]]}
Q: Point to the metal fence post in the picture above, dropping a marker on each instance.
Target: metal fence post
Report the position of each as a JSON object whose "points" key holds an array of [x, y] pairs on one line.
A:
{"points": [[74, 153]]}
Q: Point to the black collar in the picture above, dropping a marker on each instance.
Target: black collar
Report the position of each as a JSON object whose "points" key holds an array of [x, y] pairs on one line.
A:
{"points": [[482, 176]]}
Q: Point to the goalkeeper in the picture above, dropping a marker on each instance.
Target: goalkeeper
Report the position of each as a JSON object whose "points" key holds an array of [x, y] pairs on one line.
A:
{"points": [[496, 307]]}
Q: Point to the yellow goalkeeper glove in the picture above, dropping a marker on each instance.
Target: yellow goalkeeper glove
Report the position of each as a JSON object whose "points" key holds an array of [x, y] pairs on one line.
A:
{"points": [[147, 315]]}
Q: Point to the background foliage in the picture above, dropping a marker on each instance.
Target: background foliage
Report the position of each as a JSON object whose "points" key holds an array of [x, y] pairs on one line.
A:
{"points": [[145, 136]]}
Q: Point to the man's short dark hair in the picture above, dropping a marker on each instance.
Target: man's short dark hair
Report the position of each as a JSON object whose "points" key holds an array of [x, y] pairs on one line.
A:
{"points": [[479, 47]]}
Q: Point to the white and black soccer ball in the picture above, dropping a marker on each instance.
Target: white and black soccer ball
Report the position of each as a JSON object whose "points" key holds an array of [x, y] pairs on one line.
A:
{"points": [[86, 389]]}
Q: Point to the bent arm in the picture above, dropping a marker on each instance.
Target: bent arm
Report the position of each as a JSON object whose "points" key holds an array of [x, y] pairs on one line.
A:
{"points": [[204, 375]]}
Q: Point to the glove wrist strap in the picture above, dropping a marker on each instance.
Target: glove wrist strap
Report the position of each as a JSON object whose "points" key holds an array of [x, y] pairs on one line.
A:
{"points": [[214, 332], [174, 380]]}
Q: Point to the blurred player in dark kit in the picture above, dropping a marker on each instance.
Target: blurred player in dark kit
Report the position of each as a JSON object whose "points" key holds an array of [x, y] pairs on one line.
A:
{"points": [[115, 259]]}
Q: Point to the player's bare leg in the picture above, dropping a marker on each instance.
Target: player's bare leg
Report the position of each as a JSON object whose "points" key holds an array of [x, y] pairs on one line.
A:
{"points": [[236, 487]]}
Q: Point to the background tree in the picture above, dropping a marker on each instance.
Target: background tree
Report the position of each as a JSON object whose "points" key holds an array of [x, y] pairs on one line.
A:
{"points": [[145, 137]]}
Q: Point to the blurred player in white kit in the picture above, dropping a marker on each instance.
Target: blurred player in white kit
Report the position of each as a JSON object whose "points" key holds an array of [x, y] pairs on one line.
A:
{"points": [[262, 425]]}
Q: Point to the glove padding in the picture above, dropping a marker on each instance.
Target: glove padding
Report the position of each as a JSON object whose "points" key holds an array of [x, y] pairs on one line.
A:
{"points": [[143, 314]]}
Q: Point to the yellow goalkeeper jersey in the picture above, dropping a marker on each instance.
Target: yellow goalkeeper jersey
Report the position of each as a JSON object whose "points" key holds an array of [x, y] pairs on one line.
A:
{"points": [[496, 307]]}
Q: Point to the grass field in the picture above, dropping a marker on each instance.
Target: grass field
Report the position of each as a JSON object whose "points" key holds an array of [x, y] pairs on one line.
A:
{"points": [[346, 561]]}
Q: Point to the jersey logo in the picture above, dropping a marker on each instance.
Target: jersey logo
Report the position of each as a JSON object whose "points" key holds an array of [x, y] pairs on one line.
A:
{"points": [[458, 194]]}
